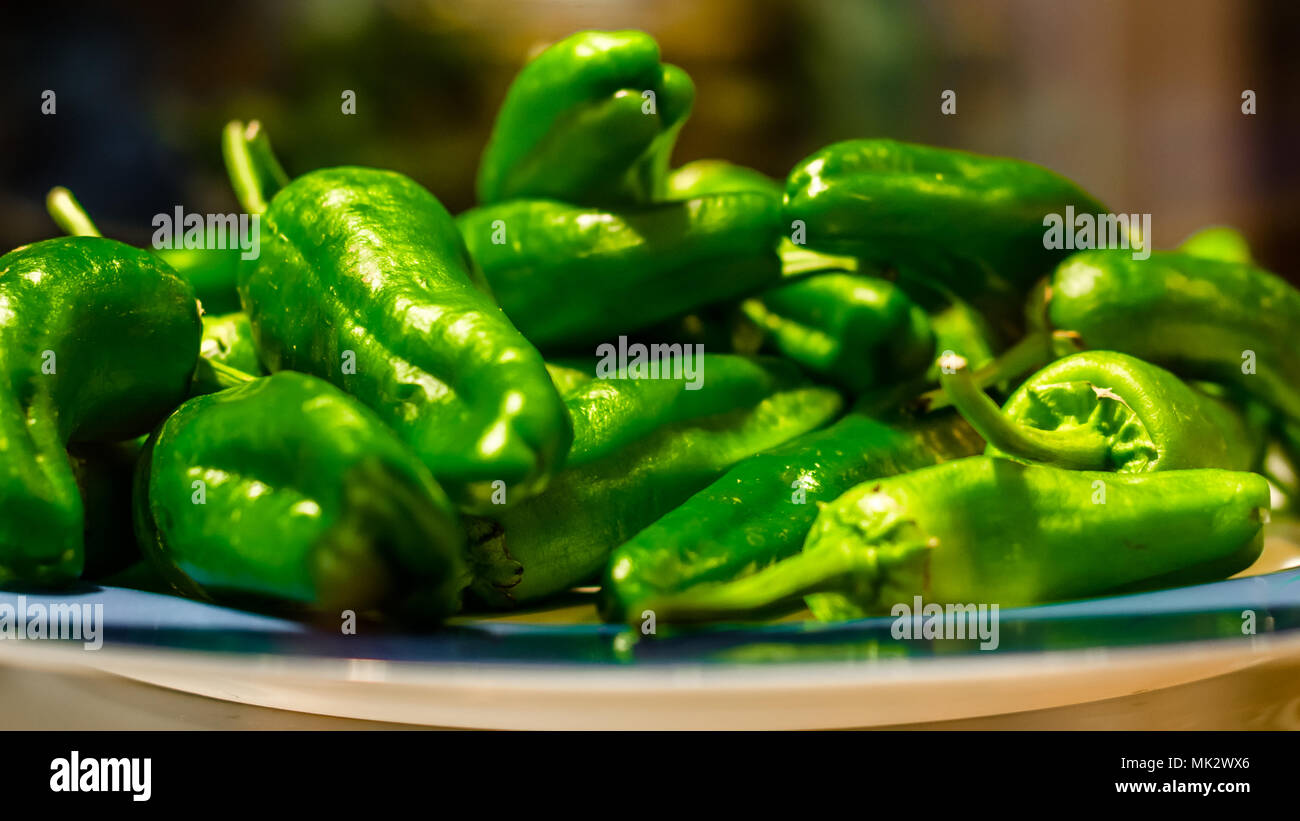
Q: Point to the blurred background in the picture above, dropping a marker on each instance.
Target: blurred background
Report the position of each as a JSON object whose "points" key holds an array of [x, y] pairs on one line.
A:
{"points": [[1139, 101]]}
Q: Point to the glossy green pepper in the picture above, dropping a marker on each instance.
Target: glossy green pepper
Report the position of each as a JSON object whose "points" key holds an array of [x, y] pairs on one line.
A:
{"points": [[287, 493], [590, 120], [364, 281], [973, 224], [1202, 318], [991, 530], [228, 339], [1101, 410], [855, 331], [563, 537], [704, 177], [569, 276], [760, 510], [98, 342]]}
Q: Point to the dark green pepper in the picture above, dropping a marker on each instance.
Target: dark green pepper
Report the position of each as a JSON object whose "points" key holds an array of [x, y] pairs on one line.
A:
{"points": [[563, 537], [855, 331], [579, 123], [104, 471], [990, 530], [1202, 318], [760, 510], [973, 224], [98, 342], [1101, 410], [363, 280], [569, 276], [287, 493]]}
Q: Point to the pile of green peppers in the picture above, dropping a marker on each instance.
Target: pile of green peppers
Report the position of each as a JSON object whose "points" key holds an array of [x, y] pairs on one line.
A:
{"points": [[700, 393]]}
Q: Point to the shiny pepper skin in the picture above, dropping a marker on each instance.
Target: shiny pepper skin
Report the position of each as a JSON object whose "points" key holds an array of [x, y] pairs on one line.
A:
{"points": [[646, 453], [363, 280], [591, 120], [971, 223], [569, 276], [1102, 410], [1202, 318], [994, 531], [98, 342], [286, 493]]}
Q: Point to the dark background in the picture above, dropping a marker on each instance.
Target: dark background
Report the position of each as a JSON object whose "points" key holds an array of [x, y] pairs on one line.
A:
{"points": [[1139, 101]]}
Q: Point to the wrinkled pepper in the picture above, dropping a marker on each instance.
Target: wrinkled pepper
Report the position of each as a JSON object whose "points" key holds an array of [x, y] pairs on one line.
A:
{"points": [[98, 342], [995, 531], [971, 223], [286, 493], [1202, 318], [364, 281], [569, 276], [563, 537], [1102, 410], [760, 510], [591, 120]]}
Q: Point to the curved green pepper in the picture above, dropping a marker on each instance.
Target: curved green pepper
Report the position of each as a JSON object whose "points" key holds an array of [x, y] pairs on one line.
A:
{"points": [[857, 332], [973, 224], [1101, 410], [563, 537], [228, 339], [760, 510], [578, 123], [568, 276], [98, 342], [990, 530], [1202, 318], [287, 493], [364, 281]]}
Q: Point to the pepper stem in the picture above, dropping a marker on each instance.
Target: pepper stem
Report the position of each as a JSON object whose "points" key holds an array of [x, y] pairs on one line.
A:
{"points": [[1081, 448], [1028, 355], [68, 214], [255, 173], [784, 583], [211, 376]]}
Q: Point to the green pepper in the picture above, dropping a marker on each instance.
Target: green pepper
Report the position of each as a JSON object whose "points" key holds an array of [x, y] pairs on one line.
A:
{"points": [[1101, 410], [1202, 318], [569, 276], [704, 177], [364, 281], [98, 341], [973, 224], [286, 493], [590, 120], [563, 537], [855, 331], [760, 510], [1218, 242], [228, 339], [991, 530]]}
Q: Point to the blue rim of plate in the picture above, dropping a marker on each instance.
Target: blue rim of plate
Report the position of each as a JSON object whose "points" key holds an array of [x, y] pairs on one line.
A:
{"points": [[137, 620]]}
